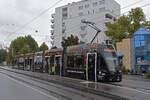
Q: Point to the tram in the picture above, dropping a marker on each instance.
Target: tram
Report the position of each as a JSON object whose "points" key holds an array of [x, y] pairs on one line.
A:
{"points": [[97, 62], [94, 62]]}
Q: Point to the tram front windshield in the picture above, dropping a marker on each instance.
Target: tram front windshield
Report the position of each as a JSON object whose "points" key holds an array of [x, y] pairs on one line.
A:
{"points": [[111, 60]]}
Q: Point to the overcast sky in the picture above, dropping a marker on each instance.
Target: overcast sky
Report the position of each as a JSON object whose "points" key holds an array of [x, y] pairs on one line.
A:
{"points": [[15, 14]]}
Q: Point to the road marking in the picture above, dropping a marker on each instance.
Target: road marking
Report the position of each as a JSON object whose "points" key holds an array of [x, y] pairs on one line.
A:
{"points": [[32, 88]]}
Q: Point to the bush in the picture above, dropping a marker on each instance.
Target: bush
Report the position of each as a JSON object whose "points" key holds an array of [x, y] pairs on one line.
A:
{"points": [[147, 75], [123, 69], [137, 70]]}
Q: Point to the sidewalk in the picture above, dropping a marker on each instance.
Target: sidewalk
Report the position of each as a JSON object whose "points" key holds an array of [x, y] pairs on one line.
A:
{"points": [[135, 77], [115, 92]]}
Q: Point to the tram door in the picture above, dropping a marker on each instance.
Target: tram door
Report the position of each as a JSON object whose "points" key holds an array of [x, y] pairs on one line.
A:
{"points": [[46, 64], [91, 67], [58, 65]]}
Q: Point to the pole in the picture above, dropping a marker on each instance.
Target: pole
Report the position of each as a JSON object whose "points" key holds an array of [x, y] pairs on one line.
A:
{"points": [[95, 36], [92, 25]]}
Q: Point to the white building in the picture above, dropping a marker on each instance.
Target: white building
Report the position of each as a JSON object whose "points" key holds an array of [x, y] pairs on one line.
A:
{"points": [[67, 20]]}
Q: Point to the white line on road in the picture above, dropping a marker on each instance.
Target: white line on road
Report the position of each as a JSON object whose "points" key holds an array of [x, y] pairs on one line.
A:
{"points": [[52, 97]]}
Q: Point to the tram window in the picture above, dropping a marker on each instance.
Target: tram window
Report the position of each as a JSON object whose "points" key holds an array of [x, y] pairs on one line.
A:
{"points": [[110, 54], [91, 61], [52, 61], [70, 61], [79, 62], [100, 62]]}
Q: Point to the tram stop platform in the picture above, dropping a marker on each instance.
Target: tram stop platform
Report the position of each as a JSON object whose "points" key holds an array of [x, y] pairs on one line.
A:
{"points": [[103, 89]]}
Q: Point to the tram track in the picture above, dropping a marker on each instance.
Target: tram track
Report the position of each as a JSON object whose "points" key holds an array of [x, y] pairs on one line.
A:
{"points": [[51, 92], [53, 85], [72, 86]]}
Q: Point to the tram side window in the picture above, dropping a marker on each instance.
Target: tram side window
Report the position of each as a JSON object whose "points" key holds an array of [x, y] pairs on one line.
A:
{"points": [[79, 62], [51, 61], [70, 61], [100, 62]]}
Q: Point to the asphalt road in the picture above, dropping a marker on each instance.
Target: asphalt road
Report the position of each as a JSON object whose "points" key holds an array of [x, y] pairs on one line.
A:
{"points": [[19, 87]]}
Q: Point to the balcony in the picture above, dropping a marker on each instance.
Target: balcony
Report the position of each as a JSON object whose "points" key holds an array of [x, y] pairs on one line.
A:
{"points": [[52, 37], [52, 32], [52, 26], [52, 21], [53, 15], [52, 42]]}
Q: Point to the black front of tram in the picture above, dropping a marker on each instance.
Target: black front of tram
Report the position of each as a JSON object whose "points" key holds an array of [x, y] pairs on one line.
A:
{"points": [[108, 69]]}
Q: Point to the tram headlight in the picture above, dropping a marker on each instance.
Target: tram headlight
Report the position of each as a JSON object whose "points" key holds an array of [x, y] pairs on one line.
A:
{"points": [[103, 74], [100, 72]]}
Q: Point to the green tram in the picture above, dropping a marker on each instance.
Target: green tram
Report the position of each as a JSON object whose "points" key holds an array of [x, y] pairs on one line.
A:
{"points": [[94, 62]]}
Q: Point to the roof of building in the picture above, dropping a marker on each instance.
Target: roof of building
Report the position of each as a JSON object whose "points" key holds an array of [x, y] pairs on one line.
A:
{"points": [[142, 31]]}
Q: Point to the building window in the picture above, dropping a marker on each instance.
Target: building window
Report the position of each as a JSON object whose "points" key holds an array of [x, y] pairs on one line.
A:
{"points": [[80, 14], [65, 13], [88, 12], [87, 6], [139, 37], [108, 16], [79, 61], [101, 2], [142, 43], [70, 61], [80, 7], [115, 19], [93, 11], [102, 9], [95, 4], [64, 10], [139, 41]]}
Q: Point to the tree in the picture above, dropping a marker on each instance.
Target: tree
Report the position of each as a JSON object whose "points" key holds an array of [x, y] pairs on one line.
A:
{"points": [[3, 54], [118, 30], [127, 25], [25, 49], [32, 43], [72, 40], [43, 47], [137, 20], [21, 45]]}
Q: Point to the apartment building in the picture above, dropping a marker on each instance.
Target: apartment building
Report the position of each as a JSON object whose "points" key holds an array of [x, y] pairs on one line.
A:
{"points": [[67, 20]]}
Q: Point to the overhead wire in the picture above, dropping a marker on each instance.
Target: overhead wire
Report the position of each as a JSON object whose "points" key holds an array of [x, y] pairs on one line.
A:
{"points": [[76, 16], [145, 5], [36, 17], [72, 17]]}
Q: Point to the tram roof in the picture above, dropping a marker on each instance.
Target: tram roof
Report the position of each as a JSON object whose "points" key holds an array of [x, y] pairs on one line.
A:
{"points": [[82, 49]]}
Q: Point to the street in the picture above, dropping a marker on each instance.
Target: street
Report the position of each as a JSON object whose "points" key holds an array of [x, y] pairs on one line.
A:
{"points": [[16, 87], [136, 82]]}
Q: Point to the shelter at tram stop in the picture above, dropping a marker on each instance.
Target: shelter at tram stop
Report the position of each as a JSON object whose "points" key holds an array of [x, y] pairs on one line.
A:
{"points": [[141, 51]]}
